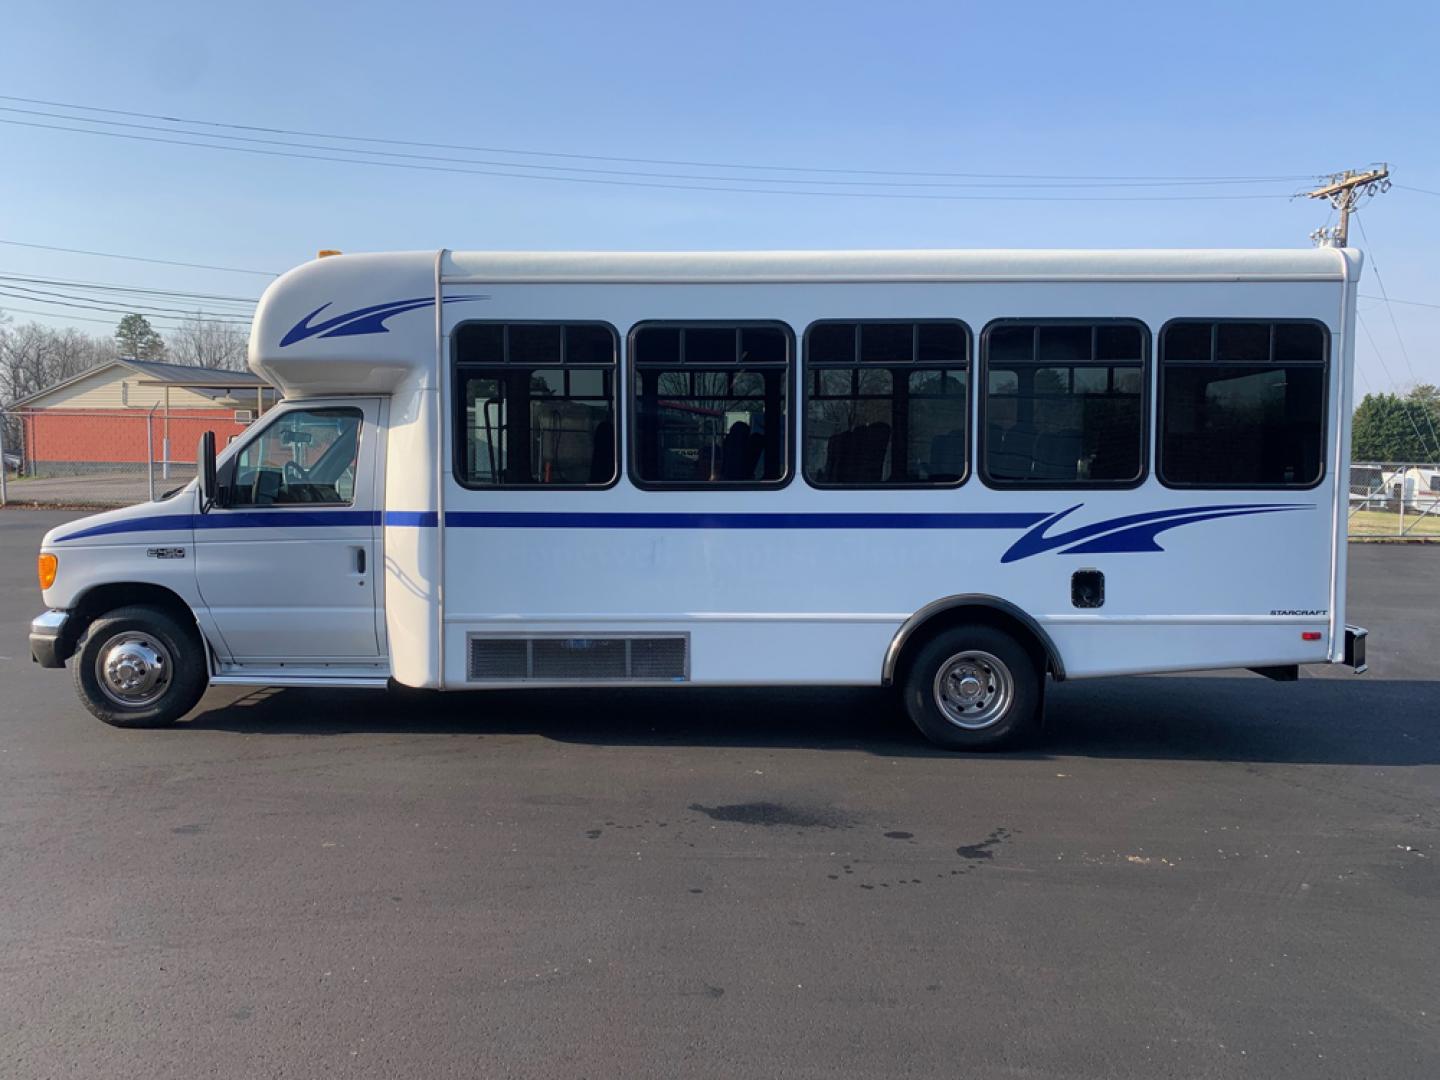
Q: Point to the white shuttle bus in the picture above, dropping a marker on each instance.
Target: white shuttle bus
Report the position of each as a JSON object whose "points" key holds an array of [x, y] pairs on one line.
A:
{"points": [[954, 472]]}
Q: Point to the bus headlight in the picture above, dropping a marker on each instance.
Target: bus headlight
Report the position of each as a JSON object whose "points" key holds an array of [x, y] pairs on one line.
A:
{"points": [[47, 566]]}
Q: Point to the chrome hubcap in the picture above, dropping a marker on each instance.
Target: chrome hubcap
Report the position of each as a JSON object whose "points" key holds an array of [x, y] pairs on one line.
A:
{"points": [[974, 689], [133, 669]]}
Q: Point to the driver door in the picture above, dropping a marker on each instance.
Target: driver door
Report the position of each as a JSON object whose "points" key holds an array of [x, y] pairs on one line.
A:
{"points": [[287, 566]]}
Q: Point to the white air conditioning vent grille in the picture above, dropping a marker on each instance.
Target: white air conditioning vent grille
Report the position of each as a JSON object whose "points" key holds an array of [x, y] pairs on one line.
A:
{"points": [[244, 416], [560, 658]]}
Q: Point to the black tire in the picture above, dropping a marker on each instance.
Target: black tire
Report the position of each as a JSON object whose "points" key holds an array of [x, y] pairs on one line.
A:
{"points": [[182, 684], [1016, 714]]}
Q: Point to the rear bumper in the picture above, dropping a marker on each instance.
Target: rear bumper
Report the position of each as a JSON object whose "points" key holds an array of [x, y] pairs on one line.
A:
{"points": [[1355, 648], [49, 645]]}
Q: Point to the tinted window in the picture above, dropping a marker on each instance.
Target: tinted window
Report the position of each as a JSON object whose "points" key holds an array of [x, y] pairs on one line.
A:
{"points": [[304, 456], [711, 404], [885, 403], [536, 404], [1242, 404], [1064, 403]]}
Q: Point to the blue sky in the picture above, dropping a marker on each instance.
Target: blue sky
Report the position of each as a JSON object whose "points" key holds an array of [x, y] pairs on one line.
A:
{"points": [[1046, 89]]}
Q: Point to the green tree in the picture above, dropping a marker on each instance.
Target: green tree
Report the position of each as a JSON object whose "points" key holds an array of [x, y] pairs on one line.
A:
{"points": [[1387, 427], [1424, 402], [1427, 395], [138, 340]]}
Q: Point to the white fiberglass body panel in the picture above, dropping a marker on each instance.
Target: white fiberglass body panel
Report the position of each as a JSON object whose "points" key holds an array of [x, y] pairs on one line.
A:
{"points": [[813, 593]]}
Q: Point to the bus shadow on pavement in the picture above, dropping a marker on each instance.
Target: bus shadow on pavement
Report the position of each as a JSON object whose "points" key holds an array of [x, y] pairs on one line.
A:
{"points": [[1204, 718]]}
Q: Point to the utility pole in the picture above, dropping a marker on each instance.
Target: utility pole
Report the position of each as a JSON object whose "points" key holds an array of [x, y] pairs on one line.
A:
{"points": [[1343, 190]]}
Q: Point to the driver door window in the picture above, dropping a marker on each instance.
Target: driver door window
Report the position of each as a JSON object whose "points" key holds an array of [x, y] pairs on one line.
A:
{"points": [[305, 457]]}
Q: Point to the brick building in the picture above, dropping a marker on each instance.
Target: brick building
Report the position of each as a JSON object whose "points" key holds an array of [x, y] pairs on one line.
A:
{"points": [[113, 417]]}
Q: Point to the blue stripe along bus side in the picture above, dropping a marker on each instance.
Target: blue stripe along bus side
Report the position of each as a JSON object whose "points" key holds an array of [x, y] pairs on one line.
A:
{"points": [[502, 519]]}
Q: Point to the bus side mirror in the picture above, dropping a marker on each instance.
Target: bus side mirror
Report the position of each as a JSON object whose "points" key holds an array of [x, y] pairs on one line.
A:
{"points": [[205, 461]]}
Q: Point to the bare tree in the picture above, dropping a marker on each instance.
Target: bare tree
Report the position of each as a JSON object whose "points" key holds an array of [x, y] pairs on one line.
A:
{"points": [[79, 351], [33, 356], [203, 342]]}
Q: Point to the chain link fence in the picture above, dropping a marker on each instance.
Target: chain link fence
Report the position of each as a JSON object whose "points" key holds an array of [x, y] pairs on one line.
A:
{"points": [[103, 457], [1394, 499], [117, 457]]}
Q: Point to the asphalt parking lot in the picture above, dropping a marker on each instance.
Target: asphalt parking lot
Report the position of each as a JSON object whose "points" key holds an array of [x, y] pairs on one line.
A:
{"points": [[1214, 876]]}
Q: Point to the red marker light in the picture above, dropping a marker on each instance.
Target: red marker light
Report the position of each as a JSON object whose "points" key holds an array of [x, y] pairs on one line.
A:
{"points": [[1310, 635]]}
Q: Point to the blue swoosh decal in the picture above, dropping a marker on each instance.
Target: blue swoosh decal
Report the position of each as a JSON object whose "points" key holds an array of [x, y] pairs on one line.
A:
{"points": [[1131, 533], [366, 320], [234, 519], [159, 523]]}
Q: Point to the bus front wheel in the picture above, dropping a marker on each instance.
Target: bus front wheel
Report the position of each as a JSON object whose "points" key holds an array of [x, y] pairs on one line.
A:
{"points": [[974, 688], [139, 667]]}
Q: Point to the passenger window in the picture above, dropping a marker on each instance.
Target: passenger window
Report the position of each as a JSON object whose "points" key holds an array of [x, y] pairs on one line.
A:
{"points": [[886, 404], [303, 457], [711, 404], [535, 404], [1064, 404], [1242, 404]]}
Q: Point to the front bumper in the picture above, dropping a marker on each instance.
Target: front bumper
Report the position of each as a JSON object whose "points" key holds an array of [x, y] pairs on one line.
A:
{"points": [[1355, 648], [49, 645]]}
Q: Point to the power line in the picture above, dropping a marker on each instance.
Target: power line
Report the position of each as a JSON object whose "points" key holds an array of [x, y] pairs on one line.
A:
{"points": [[80, 304], [629, 160], [1363, 377], [1384, 295], [1394, 300], [1421, 190], [1420, 437], [34, 295], [57, 315], [66, 317], [638, 183], [1376, 349], [138, 258], [110, 287], [226, 139], [1394, 323]]}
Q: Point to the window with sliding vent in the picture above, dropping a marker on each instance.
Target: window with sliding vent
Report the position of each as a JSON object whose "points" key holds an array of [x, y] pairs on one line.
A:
{"points": [[535, 404], [1064, 403], [886, 403], [710, 405], [1242, 403]]}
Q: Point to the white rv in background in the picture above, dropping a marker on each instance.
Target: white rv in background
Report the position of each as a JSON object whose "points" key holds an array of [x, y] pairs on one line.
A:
{"points": [[1417, 486], [954, 472]]}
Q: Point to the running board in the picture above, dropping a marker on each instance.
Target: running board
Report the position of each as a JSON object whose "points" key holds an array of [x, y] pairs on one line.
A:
{"points": [[258, 678]]}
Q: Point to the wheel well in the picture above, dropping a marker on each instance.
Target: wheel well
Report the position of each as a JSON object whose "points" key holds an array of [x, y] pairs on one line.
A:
{"points": [[934, 619], [102, 598]]}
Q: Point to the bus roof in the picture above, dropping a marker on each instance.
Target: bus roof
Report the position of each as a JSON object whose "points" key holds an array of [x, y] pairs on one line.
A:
{"points": [[1302, 264]]}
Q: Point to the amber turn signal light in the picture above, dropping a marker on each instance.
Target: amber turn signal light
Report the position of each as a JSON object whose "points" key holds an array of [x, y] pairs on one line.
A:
{"points": [[47, 565]]}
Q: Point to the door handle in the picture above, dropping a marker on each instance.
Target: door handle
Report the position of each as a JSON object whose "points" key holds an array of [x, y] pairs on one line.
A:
{"points": [[360, 560]]}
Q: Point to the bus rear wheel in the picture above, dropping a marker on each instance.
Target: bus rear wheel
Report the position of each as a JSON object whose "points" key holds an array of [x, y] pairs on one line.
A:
{"points": [[139, 667], [974, 688]]}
